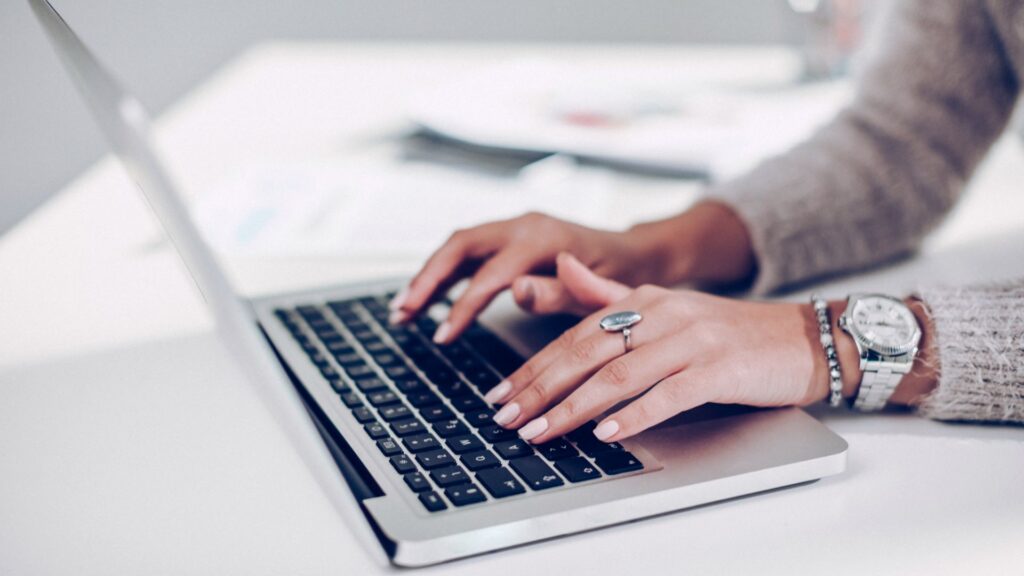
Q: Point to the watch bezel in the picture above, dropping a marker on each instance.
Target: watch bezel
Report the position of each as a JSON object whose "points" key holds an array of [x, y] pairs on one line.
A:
{"points": [[847, 323]]}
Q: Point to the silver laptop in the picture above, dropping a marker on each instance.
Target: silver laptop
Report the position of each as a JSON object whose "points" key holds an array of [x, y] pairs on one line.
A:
{"points": [[396, 428]]}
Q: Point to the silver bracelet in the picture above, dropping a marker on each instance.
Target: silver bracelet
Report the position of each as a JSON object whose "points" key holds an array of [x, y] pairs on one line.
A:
{"points": [[835, 377]]}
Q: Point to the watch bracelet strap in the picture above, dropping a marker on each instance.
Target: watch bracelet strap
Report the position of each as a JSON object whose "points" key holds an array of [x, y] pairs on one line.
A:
{"points": [[876, 386]]}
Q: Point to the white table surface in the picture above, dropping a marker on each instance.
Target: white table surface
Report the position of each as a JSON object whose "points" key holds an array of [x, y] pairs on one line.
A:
{"points": [[119, 460]]}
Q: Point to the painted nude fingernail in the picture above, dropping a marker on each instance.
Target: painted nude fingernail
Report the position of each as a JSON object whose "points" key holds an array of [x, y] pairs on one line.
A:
{"points": [[498, 393], [399, 299], [443, 331], [606, 430], [534, 428], [508, 413], [398, 317]]}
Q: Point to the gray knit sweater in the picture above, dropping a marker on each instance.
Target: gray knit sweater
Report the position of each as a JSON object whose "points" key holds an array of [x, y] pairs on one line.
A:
{"points": [[936, 93]]}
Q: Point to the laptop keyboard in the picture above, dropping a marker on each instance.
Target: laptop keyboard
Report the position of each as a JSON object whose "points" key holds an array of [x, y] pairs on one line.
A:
{"points": [[422, 405]]}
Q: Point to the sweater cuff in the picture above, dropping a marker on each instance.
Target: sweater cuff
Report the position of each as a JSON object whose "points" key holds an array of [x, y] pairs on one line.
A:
{"points": [[979, 337]]}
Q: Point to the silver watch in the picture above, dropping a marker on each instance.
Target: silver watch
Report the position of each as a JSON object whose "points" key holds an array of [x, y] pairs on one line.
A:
{"points": [[887, 334]]}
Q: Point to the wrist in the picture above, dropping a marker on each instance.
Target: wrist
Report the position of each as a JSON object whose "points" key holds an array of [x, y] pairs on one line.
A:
{"points": [[707, 244], [915, 385]]}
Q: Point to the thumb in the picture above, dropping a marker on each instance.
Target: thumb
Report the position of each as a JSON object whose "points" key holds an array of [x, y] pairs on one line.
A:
{"points": [[586, 287]]}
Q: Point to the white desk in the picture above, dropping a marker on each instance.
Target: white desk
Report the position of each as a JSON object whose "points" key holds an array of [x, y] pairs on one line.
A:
{"points": [[162, 468]]}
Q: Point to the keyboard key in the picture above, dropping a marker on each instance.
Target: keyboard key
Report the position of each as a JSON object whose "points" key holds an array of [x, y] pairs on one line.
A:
{"points": [[432, 501], [557, 449], [409, 385], [407, 427], [449, 476], [424, 398], [420, 443], [396, 371], [617, 462], [390, 360], [500, 482], [480, 418], [382, 397], [359, 371], [535, 473], [376, 431], [465, 443], [450, 428], [468, 404], [577, 469], [329, 372], [586, 430], [395, 412], [464, 494], [339, 348], [494, 433], [435, 459], [389, 447], [349, 359], [591, 446], [513, 449], [351, 399], [480, 460], [363, 415], [436, 413], [340, 386], [402, 464], [483, 379], [417, 482], [371, 384]]}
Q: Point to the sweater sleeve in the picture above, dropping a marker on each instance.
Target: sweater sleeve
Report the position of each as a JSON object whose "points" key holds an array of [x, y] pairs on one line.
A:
{"points": [[979, 340], [869, 185]]}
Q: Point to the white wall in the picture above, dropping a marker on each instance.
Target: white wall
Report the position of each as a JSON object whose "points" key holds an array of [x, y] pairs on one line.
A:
{"points": [[161, 49]]}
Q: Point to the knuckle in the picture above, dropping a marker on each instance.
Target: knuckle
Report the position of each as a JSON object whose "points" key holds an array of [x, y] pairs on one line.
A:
{"points": [[584, 351], [526, 373], [617, 372], [642, 414], [571, 408]]}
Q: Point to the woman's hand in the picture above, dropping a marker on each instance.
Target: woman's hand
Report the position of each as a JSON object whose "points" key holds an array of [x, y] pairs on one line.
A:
{"points": [[707, 243], [689, 349]]}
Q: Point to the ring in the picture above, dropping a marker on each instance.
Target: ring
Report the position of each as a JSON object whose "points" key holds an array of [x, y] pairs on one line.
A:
{"points": [[622, 322]]}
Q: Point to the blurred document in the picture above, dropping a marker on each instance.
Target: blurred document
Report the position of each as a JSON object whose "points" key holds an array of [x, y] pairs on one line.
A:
{"points": [[639, 115], [405, 209]]}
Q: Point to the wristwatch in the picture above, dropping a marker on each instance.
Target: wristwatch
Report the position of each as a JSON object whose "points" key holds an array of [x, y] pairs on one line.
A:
{"points": [[887, 335]]}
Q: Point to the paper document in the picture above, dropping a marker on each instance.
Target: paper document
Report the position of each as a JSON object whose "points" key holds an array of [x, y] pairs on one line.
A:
{"points": [[640, 115]]}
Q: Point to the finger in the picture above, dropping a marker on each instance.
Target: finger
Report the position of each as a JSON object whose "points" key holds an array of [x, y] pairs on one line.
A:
{"points": [[442, 267], [542, 295], [622, 378], [639, 299], [586, 287], [493, 277], [680, 392]]}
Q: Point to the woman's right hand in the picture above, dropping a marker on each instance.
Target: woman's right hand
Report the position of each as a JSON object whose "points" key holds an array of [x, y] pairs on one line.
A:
{"points": [[520, 253]]}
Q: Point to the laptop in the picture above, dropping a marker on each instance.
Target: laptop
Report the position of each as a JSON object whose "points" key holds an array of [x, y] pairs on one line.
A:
{"points": [[395, 428]]}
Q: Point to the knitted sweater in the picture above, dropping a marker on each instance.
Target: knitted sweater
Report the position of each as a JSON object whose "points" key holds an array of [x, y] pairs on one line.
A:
{"points": [[936, 92]]}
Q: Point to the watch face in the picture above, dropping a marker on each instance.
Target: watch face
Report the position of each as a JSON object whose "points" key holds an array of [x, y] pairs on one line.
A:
{"points": [[887, 324]]}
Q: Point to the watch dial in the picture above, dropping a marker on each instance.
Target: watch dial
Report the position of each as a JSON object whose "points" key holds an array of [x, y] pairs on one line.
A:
{"points": [[884, 322]]}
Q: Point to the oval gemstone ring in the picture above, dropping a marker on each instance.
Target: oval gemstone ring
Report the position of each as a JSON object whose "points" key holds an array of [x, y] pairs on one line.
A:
{"points": [[622, 322]]}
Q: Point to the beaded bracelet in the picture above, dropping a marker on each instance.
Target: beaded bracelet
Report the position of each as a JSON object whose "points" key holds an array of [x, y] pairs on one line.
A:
{"points": [[835, 377]]}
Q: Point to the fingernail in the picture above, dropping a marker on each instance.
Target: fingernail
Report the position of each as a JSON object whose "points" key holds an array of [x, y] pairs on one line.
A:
{"points": [[443, 331], [606, 430], [498, 392], [508, 413], [398, 316], [534, 428], [399, 299], [529, 293]]}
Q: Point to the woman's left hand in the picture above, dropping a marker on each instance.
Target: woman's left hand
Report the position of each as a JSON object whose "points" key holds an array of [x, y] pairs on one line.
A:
{"points": [[690, 349]]}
